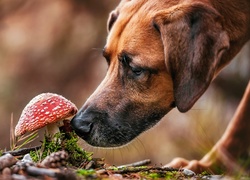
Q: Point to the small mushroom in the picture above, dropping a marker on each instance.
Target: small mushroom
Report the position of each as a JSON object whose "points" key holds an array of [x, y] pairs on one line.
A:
{"points": [[46, 109]]}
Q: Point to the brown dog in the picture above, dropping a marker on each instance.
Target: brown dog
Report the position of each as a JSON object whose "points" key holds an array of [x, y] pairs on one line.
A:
{"points": [[163, 54]]}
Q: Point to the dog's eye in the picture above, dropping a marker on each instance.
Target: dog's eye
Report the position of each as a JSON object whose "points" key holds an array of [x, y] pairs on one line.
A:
{"points": [[124, 59], [133, 69], [137, 71]]}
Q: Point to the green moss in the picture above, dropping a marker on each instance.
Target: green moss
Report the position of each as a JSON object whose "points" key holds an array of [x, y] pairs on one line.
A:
{"points": [[152, 175], [158, 175], [35, 156], [77, 155], [62, 141], [147, 172], [114, 168], [170, 175], [205, 173], [85, 172], [49, 145]]}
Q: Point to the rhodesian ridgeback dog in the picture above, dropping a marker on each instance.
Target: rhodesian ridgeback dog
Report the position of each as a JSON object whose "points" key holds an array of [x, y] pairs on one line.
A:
{"points": [[162, 55]]}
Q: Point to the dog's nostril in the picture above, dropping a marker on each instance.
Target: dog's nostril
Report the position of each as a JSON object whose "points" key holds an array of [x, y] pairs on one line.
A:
{"points": [[85, 127], [82, 124], [87, 121]]}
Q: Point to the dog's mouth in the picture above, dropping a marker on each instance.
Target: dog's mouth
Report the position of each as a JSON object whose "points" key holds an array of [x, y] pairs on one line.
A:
{"points": [[100, 129], [95, 128]]}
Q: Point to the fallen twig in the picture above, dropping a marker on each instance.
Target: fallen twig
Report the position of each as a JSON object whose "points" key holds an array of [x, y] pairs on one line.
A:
{"points": [[22, 151], [35, 171], [131, 169], [138, 163]]}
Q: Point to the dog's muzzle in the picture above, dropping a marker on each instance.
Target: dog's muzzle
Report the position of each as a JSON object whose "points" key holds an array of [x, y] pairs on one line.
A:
{"points": [[113, 128], [87, 125], [98, 129]]}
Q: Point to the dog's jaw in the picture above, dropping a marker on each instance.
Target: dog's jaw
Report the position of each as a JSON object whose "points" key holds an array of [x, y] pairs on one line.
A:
{"points": [[100, 129]]}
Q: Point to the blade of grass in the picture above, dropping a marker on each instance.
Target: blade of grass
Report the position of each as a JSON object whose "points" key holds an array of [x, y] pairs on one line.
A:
{"points": [[12, 136], [23, 137], [27, 139]]}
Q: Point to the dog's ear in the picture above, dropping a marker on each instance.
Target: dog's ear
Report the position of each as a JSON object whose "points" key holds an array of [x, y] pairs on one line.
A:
{"points": [[194, 42], [111, 20]]}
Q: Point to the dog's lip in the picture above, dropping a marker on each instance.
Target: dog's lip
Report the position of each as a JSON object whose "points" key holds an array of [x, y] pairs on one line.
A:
{"points": [[173, 104]]}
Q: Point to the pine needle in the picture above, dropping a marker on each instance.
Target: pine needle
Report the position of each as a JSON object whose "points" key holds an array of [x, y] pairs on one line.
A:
{"points": [[12, 135], [24, 139]]}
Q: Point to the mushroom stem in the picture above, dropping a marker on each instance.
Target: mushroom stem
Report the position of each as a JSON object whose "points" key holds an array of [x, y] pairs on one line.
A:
{"points": [[52, 129]]}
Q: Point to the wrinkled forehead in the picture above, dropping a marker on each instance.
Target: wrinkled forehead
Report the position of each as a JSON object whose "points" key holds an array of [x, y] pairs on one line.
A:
{"points": [[131, 27]]}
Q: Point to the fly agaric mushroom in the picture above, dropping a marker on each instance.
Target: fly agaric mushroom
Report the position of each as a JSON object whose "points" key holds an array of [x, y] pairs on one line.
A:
{"points": [[46, 109]]}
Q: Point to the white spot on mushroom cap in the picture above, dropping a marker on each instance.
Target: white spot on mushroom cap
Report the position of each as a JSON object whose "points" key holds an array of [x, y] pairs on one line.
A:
{"points": [[44, 109]]}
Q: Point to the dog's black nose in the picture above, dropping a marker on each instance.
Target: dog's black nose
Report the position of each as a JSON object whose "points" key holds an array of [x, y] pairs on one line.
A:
{"points": [[82, 123]]}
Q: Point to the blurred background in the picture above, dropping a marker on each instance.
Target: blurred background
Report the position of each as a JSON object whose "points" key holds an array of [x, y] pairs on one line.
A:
{"points": [[56, 46]]}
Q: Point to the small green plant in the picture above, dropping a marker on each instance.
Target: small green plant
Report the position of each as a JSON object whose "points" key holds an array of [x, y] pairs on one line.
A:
{"points": [[49, 145], [62, 141]]}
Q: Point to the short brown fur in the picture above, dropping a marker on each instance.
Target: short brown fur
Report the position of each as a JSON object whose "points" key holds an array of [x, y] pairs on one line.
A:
{"points": [[163, 54]]}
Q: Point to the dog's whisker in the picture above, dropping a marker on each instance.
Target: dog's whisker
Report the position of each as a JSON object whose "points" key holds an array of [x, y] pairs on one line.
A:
{"points": [[127, 148], [141, 143], [97, 49], [113, 155], [121, 154], [198, 109], [87, 147], [139, 146], [105, 153]]}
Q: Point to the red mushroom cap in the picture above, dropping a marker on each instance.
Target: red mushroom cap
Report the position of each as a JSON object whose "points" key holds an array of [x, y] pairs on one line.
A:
{"points": [[44, 109]]}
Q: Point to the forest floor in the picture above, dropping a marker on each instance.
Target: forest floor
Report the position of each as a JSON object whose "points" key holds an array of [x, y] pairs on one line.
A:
{"points": [[59, 157]]}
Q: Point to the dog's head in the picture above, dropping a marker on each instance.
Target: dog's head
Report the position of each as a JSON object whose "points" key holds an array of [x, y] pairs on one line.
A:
{"points": [[160, 55]]}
